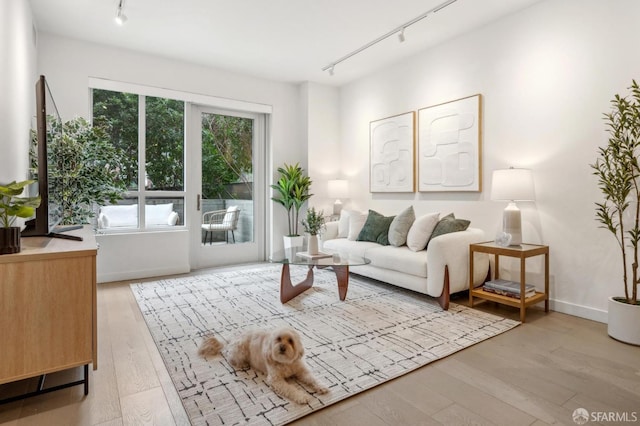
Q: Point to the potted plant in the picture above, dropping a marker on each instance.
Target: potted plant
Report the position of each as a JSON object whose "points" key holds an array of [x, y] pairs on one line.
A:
{"points": [[313, 223], [292, 191], [11, 207], [618, 173]]}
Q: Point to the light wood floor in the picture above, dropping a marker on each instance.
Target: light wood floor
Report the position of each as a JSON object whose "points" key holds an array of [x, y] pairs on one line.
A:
{"points": [[536, 374]]}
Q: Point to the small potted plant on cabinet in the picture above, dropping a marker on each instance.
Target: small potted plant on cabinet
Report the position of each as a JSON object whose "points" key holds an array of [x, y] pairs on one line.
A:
{"points": [[293, 190], [313, 223], [11, 207], [618, 173]]}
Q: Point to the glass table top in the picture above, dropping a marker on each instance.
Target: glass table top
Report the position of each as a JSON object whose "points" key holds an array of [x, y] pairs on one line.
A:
{"points": [[300, 256]]}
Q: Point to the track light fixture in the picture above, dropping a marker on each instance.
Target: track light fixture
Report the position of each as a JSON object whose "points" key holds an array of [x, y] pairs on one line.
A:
{"points": [[399, 30], [120, 18], [401, 36]]}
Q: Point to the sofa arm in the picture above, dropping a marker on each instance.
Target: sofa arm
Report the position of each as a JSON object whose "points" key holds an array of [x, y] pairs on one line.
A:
{"points": [[330, 231], [452, 250]]}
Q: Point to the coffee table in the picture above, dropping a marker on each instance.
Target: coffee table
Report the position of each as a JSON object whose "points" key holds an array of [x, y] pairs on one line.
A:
{"points": [[337, 261]]}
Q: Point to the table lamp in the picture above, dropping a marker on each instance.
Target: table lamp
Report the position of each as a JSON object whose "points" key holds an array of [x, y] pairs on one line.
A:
{"points": [[512, 185], [338, 188]]}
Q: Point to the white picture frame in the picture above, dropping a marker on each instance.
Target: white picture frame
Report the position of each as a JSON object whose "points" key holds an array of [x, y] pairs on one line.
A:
{"points": [[392, 153], [449, 150]]}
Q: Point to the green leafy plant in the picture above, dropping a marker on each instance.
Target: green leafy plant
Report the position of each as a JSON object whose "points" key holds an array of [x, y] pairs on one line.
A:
{"points": [[293, 191], [313, 223], [618, 171], [85, 169], [12, 206]]}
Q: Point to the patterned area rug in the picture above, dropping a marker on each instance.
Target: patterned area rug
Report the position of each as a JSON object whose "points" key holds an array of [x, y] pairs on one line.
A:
{"points": [[378, 333]]}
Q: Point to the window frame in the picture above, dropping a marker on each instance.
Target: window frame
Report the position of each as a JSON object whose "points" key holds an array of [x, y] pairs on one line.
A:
{"points": [[189, 99]]}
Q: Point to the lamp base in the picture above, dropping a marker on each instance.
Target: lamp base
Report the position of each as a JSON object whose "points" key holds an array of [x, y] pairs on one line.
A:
{"points": [[512, 224], [337, 208]]}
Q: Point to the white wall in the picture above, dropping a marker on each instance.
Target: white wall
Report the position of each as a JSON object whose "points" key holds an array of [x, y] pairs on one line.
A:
{"points": [[17, 88], [546, 75], [322, 121], [68, 64]]}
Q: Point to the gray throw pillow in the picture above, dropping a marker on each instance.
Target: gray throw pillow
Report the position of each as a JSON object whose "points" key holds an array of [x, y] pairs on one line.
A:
{"points": [[449, 224], [400, 226], [376, 228]]}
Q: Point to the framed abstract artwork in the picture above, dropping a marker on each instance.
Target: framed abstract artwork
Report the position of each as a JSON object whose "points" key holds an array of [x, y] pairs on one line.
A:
{"points": [[391, 153], [450, 146]]}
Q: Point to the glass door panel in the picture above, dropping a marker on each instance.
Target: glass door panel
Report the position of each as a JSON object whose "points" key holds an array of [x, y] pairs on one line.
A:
{"points": [[229, 145]]}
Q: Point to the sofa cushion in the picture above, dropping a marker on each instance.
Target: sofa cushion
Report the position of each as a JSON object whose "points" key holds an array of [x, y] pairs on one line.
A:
{"points": [[401, 259], [376, 228], [449, 224], [400, 226], [421, 230], [356, 222], [120, 215]]}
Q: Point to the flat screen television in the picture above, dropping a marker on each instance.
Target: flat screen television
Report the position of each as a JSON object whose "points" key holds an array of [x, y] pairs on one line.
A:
{"points": [[48, 127]]}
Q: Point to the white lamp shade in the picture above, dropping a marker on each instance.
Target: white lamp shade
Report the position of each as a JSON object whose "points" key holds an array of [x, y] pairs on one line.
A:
{"points": [[338, 188], [512, 185]]}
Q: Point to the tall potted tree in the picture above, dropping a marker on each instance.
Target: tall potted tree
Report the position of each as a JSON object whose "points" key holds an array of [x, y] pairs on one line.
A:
{"points": [[618, 172], [13, 206], [292, 191]]}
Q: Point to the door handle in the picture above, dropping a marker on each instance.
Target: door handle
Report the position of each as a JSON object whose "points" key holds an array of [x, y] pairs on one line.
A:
{"points": [[198, 203]]}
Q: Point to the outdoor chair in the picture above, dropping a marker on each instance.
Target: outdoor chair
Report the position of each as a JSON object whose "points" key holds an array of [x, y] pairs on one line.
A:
{"points": [[220, 220]]}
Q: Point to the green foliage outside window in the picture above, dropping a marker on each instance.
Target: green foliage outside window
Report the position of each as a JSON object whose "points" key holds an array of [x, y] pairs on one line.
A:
{"points": [[226, 154], [117, 114], [226, 143]]}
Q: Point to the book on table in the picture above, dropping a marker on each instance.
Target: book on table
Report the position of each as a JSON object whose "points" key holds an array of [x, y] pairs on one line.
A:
{"points": [[509, 293], [319, 255], [511, 287]]}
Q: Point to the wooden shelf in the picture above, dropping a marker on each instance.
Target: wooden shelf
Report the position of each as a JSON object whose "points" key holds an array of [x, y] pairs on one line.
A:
{"points": [[506, 300]]}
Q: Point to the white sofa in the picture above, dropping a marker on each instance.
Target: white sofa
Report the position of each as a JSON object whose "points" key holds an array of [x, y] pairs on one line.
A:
{"points": [[126, 216], [438, 271]]}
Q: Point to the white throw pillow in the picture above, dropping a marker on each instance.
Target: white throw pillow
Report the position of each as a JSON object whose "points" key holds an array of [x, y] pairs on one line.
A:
{"points": [[343, 223], [421, 230], [157, 214], [356, 222]]}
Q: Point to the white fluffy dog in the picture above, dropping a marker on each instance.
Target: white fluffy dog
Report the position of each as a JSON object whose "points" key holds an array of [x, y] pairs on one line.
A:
{"points": [[278, 354]]}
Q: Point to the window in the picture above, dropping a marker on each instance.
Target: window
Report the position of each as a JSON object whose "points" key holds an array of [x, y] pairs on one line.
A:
{"points": [[150, 132]]}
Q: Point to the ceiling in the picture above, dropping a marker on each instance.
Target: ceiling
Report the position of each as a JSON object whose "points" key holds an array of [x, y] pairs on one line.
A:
{"points": [[282, 40]]}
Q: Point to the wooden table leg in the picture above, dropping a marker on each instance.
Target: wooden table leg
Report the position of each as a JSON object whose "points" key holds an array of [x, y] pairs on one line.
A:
{"points": [[342, 274], [287, 290]]}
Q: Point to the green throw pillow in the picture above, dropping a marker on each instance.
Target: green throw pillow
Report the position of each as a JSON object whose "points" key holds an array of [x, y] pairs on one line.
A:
{"points": [[376, 228], [449, 224], [400, 227]]}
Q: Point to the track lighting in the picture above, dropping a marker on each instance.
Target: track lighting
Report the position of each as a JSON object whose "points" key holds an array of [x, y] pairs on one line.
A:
{"points": [[401, 36], [399, 30], [120, 18]]}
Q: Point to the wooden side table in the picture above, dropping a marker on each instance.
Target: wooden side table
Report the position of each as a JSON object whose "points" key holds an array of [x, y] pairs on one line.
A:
{"points": [[522, 252]]}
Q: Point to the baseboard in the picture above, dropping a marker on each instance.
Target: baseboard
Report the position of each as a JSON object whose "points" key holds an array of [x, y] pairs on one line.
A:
{"points": [[578, 310], [138, 274]]}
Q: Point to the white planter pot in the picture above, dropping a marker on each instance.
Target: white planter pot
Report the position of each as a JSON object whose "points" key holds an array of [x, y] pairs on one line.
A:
{"points": [[297, 241], [624, 322], [313, 244]]}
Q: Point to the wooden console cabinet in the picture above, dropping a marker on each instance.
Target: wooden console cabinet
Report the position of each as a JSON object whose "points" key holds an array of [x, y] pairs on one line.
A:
{"points": [[48, 306]]}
